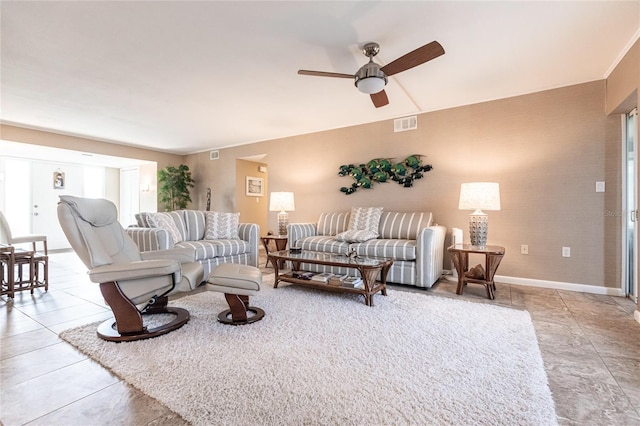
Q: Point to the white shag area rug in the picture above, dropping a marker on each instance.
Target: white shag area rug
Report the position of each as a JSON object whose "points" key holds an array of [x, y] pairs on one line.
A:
{"points": [[321, 358]]}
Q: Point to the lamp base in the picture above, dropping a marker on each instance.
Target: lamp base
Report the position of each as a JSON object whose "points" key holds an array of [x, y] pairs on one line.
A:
{"points": [[283, 221], [478, 228]]}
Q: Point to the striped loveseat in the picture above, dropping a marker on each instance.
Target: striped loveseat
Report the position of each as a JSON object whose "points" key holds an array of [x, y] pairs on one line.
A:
{"points": [[189, 232], [409, 238]]}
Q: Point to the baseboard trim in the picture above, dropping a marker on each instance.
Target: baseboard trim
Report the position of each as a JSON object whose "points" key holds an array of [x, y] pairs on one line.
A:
{"points": [[558, 285]]}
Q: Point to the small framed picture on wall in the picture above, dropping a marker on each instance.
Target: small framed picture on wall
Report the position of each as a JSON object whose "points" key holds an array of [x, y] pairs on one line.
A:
{"points": [[58, 180], [255, 186]]}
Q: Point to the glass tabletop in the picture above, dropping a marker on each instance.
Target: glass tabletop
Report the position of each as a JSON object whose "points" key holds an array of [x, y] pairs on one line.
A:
{"points": [[315, 256], [477, 249]]}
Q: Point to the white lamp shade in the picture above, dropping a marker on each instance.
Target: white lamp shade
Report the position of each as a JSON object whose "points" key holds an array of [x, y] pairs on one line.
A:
{"points": [[281, 201], [479, 196], [371, 85]]}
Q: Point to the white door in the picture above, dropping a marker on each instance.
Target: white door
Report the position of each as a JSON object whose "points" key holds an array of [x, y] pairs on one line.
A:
{"points": [[48, 182], [129, 195]]}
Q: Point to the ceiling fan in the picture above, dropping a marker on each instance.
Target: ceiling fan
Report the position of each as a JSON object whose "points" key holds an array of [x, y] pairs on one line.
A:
{"points": [[371, 77]]}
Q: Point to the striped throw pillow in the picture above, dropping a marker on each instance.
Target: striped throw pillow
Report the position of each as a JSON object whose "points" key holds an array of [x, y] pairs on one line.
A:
{"points": [[331, 224]]}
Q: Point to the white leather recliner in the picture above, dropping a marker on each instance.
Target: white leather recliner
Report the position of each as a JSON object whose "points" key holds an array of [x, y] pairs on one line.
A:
{"points": [[132, 283]]}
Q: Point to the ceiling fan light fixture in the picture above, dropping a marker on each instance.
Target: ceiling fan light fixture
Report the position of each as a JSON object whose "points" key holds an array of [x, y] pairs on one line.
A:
{"points": [[370, 78], [371, 85]]}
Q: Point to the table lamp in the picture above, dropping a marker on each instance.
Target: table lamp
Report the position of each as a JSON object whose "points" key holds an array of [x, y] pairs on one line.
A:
{"points": [[282, 202], [479, 196]]}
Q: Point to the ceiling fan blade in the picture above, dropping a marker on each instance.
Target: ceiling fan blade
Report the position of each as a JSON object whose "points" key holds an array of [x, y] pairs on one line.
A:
{"points": [[379, 99], [413, 59], [325, 74]]}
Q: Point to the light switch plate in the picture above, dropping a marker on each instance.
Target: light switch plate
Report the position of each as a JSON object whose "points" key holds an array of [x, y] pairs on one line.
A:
{"points": [[600, 186]]}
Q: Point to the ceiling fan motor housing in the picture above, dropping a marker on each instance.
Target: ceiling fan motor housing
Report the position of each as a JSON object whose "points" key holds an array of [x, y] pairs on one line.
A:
{"points": [[370, 78]]}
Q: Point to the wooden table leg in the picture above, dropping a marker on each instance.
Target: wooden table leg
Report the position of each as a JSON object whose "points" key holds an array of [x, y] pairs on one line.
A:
{"points": [[275, 264], [265, 243], [492, 261], [12, 276], [460, 261], [281, 245], [369, 276]]}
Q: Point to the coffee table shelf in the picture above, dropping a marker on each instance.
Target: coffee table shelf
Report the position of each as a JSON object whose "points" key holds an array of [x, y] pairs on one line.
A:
{"points": [[368, 267]]}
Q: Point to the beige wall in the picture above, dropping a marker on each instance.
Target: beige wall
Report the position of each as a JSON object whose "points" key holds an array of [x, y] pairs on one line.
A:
{"points": [[252, 209], [219, 175], [546, 150], [622, 84]]}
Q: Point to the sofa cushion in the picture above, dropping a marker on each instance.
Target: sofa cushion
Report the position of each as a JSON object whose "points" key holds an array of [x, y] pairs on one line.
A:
{"points": [[365, 219], [208, 249], [333, 223], [323, 243], [395, 248], [231, 247], [195, 224], [204, 249], [403, 225], [167, 221], [356, 236], [221, 225]]}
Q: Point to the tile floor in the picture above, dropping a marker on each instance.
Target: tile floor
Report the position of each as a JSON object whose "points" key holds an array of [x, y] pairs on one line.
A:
{"points": [[590, 345]]}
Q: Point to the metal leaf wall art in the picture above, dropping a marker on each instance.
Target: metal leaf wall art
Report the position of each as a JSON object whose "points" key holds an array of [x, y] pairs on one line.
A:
{"points": [[384, 170]]}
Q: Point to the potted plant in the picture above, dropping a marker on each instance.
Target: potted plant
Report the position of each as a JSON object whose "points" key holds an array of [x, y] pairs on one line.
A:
{"points": [[173, 187]]}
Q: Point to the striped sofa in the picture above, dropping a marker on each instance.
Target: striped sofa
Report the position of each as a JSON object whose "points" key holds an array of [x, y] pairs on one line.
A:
{"points": [[409, 238], [191, 227]]}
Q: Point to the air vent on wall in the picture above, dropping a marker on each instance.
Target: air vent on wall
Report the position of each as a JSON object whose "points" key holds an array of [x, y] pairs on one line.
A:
{"points": [[405, 123], [214, 155]]}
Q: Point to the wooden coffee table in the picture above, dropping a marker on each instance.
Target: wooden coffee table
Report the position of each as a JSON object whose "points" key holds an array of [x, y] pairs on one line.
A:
{"points": [[368, 267]]}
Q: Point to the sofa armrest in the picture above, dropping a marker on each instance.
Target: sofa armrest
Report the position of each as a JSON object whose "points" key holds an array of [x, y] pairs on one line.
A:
{"points": [[296, 231], [430, 255], [150, 239], [250, 232]]}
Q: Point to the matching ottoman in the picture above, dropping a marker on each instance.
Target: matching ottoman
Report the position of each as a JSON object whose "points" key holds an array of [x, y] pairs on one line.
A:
{"points": [[237, 282]]}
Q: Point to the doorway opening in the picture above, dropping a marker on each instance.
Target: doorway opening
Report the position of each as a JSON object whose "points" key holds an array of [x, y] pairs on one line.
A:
{"points": [[31, 181], [630, 196]]}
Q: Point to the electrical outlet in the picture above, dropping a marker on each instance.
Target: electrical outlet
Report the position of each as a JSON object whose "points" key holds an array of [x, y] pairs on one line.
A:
{"points": [[566, 251], [524, 249]]}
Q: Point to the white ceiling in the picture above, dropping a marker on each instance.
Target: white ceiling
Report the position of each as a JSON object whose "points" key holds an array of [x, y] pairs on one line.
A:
{"points": [[184, 76]]}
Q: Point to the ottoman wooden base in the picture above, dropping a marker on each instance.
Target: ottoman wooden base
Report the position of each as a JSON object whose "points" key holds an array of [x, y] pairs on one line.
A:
{"points": [[237, 282], [237, 315]]}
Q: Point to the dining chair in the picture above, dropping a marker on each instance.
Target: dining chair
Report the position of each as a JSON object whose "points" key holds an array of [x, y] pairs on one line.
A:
{"points": [[37, 262], [6, 237]]}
